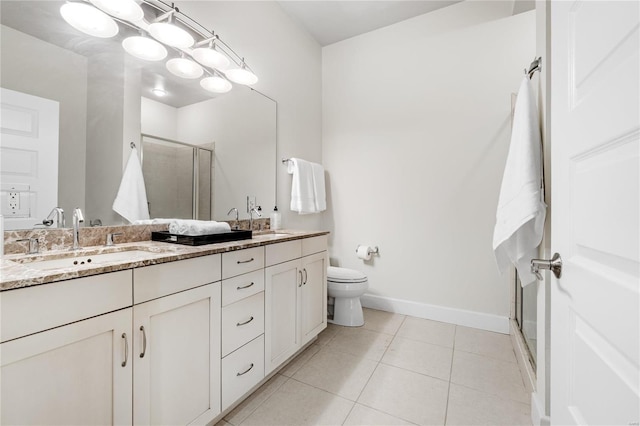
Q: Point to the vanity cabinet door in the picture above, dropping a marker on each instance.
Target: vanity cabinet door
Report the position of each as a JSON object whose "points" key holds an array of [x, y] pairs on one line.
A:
{"points": [[313, 296], [176, 354], [76, 374], [282, 284]]}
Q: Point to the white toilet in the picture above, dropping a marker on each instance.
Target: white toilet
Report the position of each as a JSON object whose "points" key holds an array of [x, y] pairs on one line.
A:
{"points": [[346, 286]]}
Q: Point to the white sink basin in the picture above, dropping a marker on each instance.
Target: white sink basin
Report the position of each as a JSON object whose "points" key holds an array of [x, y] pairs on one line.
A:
{"points": [[86, 261]]}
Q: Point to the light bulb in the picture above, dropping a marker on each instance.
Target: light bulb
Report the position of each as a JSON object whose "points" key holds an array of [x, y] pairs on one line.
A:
{"points": [[89, 20], [215, 84], [170, 34], [185, 68], [241, 75], [159, 92], [128, 10], [144, 48], [210, 57]]}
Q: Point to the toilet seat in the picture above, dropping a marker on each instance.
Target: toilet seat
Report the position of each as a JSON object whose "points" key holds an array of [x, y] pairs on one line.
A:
{"points": [[345, 275]]}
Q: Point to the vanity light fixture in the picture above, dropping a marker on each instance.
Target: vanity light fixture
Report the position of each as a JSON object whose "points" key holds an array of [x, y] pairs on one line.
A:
{"points": [[170, 31], [89, 20], [128, 10], [242, 75], [170, 34], [185, 68], [216, 84], [209, 56], [144, 48]]}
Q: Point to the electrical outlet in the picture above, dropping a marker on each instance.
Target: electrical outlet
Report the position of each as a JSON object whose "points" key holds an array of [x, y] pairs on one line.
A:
{"points": [[14, 201]]}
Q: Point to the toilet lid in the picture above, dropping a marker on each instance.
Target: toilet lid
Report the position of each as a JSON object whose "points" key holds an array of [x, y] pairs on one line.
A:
{"points": [[344, 275]]}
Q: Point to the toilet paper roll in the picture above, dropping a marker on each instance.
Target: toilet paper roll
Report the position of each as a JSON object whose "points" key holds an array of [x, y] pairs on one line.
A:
{"points": [[364, 252]]}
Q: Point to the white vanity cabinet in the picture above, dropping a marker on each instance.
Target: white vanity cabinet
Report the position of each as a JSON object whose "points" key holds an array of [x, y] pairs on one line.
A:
{"points": [[62, 364], [242, 322], [295, 297], [176, 345]]}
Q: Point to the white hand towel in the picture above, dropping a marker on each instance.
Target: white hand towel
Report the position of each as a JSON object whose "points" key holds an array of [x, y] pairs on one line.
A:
{"points": [[197, 227], [521, 209], [318, 187], [131, 201], [303, 199]]}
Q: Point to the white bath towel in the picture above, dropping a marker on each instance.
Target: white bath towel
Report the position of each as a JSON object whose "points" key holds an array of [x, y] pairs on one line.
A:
{"points": [[197, 227], [131, 200], [318, 187], [307, 186], [521, 209]]}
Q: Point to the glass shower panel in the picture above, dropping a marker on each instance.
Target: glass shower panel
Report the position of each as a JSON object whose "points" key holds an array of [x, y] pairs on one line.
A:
{"points": [[168, 174]]}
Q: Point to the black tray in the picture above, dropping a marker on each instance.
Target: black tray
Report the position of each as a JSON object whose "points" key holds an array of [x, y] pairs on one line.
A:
{"points": [[199, 240]]}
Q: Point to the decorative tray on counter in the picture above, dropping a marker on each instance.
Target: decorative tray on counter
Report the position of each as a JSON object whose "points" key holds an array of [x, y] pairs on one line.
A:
{"points": [[200, 240]]}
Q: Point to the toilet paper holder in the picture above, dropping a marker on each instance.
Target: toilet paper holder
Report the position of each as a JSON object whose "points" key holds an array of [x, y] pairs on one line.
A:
{"points": [[370, 250]]}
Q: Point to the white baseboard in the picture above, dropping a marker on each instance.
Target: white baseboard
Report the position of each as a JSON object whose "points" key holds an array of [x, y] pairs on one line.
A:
{"points": [[437, 313]]}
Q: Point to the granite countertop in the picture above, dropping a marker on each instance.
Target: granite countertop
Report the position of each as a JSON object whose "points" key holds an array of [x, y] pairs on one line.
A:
{"points": [[15, 271]]}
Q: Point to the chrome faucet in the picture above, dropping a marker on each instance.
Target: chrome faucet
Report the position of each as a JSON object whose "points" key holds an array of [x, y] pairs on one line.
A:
{"points": [[34, 245], [257, 211], [78, 218], [236, 210], [58, 213]]}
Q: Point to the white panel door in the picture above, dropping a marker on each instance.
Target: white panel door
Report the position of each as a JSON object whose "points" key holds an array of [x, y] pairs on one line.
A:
{"points": [[28, 158], [176, 357], [595, 131], [78, 374]]}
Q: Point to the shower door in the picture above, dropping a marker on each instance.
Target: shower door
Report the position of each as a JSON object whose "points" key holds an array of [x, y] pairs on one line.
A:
{"points": [[177, 177]]}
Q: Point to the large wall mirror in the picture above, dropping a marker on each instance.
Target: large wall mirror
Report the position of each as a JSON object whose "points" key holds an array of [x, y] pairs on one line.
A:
{"points": [[106, 100]]}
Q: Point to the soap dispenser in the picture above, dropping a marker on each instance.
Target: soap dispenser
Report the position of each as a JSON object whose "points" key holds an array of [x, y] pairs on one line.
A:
{"points": [[275, 219]]}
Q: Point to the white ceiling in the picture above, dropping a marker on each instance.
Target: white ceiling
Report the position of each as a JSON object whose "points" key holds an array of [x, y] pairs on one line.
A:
{"points": [[332, 21]]}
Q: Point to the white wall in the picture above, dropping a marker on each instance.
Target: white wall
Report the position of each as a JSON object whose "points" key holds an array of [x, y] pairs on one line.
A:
{"points": [[416, 126], [242, 126], [65, 82], [288, 62]]}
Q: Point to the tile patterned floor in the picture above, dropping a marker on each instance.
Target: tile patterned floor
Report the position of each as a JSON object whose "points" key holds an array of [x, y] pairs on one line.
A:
{"points": [[395, 370]]}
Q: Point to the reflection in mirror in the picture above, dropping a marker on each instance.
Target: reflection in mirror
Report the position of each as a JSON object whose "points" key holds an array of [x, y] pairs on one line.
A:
{"points": [[177, 177], [103, 96]]}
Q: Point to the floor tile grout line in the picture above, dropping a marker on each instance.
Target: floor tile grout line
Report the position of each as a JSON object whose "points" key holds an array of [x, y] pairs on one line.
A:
{"points": [[262, 403], [500, 397]]}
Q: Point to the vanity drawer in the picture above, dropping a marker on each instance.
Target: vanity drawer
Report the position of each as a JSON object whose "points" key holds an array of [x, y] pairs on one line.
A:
{"points": [[242, 370], [241, 322], [242, 261], [314, 245], [283, 252], [237, 288], [30, 310], [152, 282]]}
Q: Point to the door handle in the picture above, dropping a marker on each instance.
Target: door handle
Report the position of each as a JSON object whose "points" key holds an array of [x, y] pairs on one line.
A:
{"points": [[554, 265]]}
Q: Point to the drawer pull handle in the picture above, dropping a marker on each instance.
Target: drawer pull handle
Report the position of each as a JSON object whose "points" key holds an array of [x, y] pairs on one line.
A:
{"points": [[244, 323], [244, 261], [300, 272], [305, 276], [126, 350], [245, 371], [144, 342], [244, 286]]}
